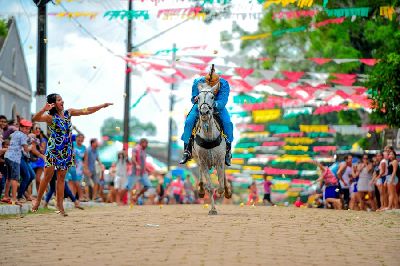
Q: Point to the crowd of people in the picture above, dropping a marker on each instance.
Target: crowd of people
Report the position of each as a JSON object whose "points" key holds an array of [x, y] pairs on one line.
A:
{"points": [[369, 184]]}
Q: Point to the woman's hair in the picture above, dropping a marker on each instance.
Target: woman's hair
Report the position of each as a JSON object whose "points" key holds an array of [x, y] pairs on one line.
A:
{"points": [[394, 153], [52, 98]]}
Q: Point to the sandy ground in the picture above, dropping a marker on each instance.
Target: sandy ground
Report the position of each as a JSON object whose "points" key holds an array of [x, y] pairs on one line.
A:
{"points": [[186, 235]]}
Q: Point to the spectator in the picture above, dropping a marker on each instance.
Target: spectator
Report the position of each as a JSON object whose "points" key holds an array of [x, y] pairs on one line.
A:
{"points": [[380, 179], [364, 172], [93, 156], [37, 153], [344, 174], [253, 194], [188, 189], [139, 170], [121, 168], [3, 170], [19, 139], [267, 190], [392, 180], [6, 129], [110, 182], [177, 189], [75, 173]]}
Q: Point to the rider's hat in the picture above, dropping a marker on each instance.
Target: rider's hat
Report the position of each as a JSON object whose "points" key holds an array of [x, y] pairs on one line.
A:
{"points": [[214, 79]]}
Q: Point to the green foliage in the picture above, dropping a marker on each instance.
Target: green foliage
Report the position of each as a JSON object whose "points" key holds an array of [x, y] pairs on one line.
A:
{"points": [[113, 127], [384, 82], [3, 28], [349, 117]]}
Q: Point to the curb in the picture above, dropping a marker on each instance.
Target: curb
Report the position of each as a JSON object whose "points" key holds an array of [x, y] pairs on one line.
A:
{"points": [[15, 209]]}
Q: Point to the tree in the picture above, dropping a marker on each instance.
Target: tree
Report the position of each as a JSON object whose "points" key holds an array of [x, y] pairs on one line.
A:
{"points": [[384, 82], [3, 28], [113, 127]]}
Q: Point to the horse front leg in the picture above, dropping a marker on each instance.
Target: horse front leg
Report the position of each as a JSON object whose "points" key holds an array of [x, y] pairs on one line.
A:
{"points": [[210, 190], [221, 180], [228, 189]]}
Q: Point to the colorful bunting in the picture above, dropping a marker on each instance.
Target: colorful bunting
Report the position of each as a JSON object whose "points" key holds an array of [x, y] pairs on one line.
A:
{"points": [[189, 12], [262, 116], [244, 72], [314, 128], [294, 14], [387, 12], [91, 15], [328, 21], [293, 76], [320, 61], [348, 12], [369, 62], [329, 109], [129, 14]]}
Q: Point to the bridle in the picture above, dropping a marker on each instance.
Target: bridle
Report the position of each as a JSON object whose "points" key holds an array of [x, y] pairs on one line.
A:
{"points": [[204, 102]]}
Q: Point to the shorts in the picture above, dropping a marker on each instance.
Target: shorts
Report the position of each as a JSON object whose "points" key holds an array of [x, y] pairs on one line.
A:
{"points": [[144, 179], [389, 180], [72, 175], [13, 170], [120, 182], [267, 197], [39, 163], [332, 192], [381, 181]]}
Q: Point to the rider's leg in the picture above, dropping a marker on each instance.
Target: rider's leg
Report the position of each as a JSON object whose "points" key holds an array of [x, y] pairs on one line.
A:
{"points": [[228, 130], [187, 134]]}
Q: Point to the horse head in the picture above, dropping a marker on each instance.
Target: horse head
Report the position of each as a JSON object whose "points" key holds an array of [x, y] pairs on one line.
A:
{"points": [[206, 101]]}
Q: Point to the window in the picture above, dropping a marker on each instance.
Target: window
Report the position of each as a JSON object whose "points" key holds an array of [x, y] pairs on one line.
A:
{"points": [[13, 61]]}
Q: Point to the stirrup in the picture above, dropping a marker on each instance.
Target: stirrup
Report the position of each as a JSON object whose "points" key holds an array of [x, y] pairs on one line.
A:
{"points": [[187, 156]]}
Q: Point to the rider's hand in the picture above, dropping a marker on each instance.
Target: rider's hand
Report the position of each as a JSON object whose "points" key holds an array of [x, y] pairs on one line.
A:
{"points": [[196, 99]]}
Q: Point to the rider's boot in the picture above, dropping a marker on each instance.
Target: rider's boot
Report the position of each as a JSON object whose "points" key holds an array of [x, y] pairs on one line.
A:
{"points": [[187, 154], [228, 154]]}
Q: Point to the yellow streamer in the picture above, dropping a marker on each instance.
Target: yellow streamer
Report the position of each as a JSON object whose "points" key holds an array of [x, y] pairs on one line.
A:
{"points": [[252, 167], [232, 171], [387, 12], [314, 128], [254, 134], [257, 176], [304, 3], [293, 158], [299, 141], [255, 37], [295, 148], [262, 116], [283, 2]]}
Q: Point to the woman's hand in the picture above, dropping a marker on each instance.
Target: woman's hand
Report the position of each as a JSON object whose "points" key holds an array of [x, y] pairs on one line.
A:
{"points": [[107, 104], [48, 106]]}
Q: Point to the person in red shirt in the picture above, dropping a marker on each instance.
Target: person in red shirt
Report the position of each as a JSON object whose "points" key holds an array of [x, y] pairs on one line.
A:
{"points": [[267, 190]]}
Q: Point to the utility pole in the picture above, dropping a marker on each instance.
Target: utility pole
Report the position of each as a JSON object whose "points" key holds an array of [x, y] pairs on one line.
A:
{"points": [[41, 65], [127, 94], [171, 108]]}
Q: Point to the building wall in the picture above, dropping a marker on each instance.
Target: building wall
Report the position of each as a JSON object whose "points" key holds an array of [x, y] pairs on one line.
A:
{"points": [[11, 104]]}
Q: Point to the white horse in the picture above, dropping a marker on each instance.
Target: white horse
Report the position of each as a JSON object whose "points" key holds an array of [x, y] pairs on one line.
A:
{"points": [[209, 146]]}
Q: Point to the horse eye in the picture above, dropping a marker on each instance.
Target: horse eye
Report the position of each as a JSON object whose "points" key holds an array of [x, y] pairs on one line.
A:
{"points": [[212, 97]]}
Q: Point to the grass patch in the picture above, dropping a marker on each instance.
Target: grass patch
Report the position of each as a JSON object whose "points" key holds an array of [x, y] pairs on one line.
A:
{"points": [[17, 216]]}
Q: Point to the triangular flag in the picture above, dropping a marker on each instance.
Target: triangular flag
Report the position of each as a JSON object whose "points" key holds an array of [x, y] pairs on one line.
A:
{"points": [[282, 82], [341, 61], [244, 72], [320, 61], [345, 76], [205, 59], [169, 80], [344, 82], [369, 62], [294, 76]]}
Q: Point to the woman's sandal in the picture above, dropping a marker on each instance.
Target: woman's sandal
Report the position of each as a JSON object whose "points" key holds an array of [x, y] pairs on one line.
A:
{"points": [[79, 207], [34, 208]]}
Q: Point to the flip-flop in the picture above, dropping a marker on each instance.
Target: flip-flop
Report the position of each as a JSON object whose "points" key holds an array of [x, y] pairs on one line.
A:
{"points": [[79, 207], [6, 200], [62, 213]]}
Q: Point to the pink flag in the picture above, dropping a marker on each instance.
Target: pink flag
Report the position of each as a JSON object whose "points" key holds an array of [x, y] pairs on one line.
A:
{"points": [[238, 85], [328, 109], [345, 76], [282, 82], [294, 76], [320, 61], [344, 82], [205, 59], [369, 62], [276, 171], [244, 72]]}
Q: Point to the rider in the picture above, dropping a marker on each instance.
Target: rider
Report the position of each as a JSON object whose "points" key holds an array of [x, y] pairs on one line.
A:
{"points": [[221, 98]]}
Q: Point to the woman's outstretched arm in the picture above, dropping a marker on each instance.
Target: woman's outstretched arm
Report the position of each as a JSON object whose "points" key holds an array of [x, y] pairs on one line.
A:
{"points": [[41, 116], [88, 110]]}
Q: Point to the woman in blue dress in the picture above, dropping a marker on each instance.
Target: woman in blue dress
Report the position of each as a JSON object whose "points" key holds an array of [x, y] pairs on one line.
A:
{"points": [[59, 153]]}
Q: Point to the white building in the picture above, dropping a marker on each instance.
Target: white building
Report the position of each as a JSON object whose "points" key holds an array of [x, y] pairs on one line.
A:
{"points": [[15, 87]]}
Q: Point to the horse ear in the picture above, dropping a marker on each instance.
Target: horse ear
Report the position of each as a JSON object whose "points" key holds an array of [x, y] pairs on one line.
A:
{"points": [[200, 86]]}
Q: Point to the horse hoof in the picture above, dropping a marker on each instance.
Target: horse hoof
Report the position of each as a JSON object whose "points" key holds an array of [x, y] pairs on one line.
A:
{"points": [[228, 193], [212, 212]]}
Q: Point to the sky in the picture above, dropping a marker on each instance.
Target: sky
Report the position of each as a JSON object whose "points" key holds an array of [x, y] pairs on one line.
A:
{"points": [[85, 74]]}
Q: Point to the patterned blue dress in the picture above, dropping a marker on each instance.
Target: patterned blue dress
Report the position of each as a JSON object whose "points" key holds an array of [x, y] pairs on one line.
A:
{"points": [[59, 152]]}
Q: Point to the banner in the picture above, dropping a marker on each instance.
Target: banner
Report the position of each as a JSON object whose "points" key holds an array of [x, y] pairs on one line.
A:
{"points": [[294, 14], [314, 128], [261, 116], [91, 15], [348, 12], [128, 14], [387, 12], [299, 141]]}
